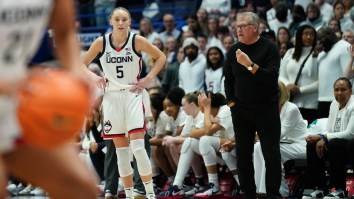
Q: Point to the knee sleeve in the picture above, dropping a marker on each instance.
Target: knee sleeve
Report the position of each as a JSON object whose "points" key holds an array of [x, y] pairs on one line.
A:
{"points": [[230, 160], [207, 151], [186, 145], [124, 166], [141, 157], [191, 144]]}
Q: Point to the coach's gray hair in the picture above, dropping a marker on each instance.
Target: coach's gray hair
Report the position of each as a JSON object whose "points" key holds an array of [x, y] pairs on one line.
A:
{"points": [[252, 17]]}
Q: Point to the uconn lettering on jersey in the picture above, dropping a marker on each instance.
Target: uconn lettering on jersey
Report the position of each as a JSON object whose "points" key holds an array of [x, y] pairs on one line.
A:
{"points": [[110, 59], [20, 15]]}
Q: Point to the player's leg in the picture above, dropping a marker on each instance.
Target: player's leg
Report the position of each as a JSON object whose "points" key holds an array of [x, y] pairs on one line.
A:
{"points": [[124, 164], [59, 171]]}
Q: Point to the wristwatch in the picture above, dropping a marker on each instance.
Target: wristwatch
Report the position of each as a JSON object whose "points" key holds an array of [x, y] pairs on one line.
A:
{"points": [[250, 67], [321, 136]]}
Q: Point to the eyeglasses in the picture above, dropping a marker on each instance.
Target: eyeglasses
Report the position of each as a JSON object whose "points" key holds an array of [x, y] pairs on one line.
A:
{"points": [[242, 27]]}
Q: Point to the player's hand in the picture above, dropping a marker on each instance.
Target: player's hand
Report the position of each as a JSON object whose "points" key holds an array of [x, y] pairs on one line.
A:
{"points": [[93, 147], [227, 146], [320, 147], [140, 85], [204, 100]]}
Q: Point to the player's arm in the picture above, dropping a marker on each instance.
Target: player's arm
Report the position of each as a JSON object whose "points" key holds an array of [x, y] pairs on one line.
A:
{"points": [[144, 45], [95, 49], [63, 24]]}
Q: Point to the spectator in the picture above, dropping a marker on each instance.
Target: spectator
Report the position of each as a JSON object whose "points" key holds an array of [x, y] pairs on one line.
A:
{"points": [[332, 63], [270, 35], [192, 69], [193, 25], [335, 25], [213, 72], [227, 42], [102, 11], [305, 90], [348, 35], [203, 42], [202, 15], [325, 8], [169, 24], [171, 49], [292, 141], [216, 8], [213, 27], [298, 14], [281, 17], [170, 75], [284, 47], [283, 36], [335, 145], [338, 13], [314, 17]]}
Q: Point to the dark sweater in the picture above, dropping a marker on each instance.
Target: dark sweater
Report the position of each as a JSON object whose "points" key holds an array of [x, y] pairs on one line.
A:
{"points": [[257, 91]]}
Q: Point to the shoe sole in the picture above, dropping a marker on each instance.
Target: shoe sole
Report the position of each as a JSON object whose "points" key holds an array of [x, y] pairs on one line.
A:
{"points": [[170, 197]]}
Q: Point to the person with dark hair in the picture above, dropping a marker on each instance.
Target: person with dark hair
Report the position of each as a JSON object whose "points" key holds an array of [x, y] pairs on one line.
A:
{"points": [[192, 69], [269, 34], [298, 14], [213, 72], [314, 17], [338, 13], [335, 25], [251, 87], [204, 140], [281, 17], [304, 90], [173, 127], [332, 64], [283, 36], [193, 25], [335, 145]]}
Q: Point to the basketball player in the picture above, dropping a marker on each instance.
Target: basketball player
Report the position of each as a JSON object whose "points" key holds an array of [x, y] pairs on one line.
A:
{"points": [[123, 108], [22, 23]]}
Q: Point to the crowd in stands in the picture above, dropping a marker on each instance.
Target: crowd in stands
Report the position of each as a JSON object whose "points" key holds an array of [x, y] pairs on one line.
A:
{"points": [[191, 131]]}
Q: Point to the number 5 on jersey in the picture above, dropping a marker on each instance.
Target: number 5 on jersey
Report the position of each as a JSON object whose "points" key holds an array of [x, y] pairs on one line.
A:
{"points": [[120, 73]]}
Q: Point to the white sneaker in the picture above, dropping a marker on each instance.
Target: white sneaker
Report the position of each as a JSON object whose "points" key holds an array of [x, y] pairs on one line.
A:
{"points": [[38, 192], [109, 195], [150, 196], [120, 187], [209, 191], [314, 195], [11, 187], [138, 194], [193, 190], [26, 191], [335, 194]]}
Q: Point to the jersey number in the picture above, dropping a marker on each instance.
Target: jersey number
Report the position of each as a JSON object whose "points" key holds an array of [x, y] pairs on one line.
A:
{"points": [[18, 44], [211, 86], [120, 73]]}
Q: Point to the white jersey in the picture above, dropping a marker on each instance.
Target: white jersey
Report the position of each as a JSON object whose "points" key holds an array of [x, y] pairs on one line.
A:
{"points": [[192, 122], [224, 115], [120, 66], [22, 25], [213, 80]]}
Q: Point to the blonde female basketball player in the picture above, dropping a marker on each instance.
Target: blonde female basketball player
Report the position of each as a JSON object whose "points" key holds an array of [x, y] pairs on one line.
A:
{"points": [[123, 107], [59, 170]]}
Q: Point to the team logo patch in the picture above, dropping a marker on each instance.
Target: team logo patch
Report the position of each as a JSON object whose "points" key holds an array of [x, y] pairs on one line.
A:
{"points": [[107, 126]]}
